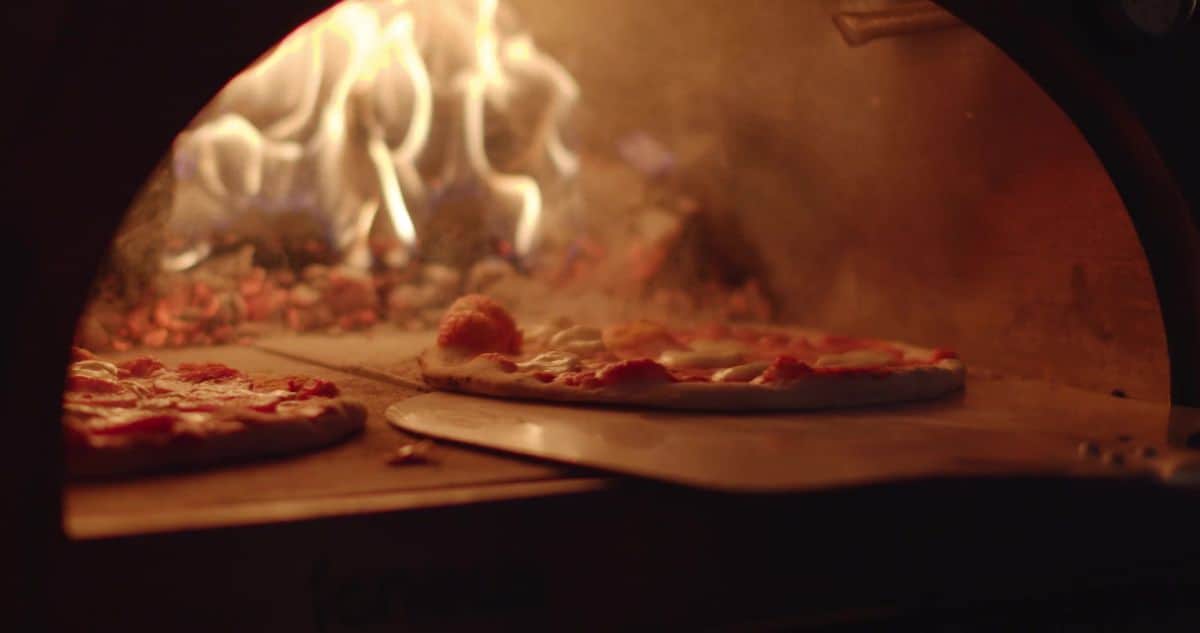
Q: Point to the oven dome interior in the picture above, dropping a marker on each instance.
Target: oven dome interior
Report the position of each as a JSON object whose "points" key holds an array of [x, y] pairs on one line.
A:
{"points": [[745, 163]]}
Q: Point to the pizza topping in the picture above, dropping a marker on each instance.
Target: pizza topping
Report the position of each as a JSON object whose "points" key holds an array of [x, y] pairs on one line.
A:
{"points": [[477, 336], [475, 323], [703, 355], [784, 368], [740, 373], [88, 408], [300, 408], [482, 304], [94, 369], [857, 359], [578, 339], [93, 384], [578, 379], [139, 415], [213, 400], [640, 371], [108, 395], [542, 334], [553, 362], [139, 367], [204, 372], [505, 364], [120, 400], [639, 339]]}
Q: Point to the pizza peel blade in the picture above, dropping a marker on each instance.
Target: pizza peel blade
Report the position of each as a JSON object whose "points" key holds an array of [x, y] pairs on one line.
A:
{"points": [[752, 452]]}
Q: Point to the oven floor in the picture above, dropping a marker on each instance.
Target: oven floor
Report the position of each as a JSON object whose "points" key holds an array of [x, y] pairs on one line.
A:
{"points": [[378, 369]]}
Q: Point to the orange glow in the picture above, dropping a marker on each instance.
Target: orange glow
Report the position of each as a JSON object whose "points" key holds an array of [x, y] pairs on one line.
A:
{"points": [[336, 121]]}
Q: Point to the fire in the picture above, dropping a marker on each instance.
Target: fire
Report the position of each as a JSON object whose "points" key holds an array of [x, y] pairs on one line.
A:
{"points": [[436, 120], [376, 105]]}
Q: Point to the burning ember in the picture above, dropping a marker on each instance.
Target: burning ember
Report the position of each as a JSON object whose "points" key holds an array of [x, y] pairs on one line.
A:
{"points": [[446, 117]]}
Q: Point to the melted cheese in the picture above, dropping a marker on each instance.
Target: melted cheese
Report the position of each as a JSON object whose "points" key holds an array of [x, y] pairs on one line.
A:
{"points": [[94, 369], [700, 359], [577, 339], [546, 331], [555, 361], [740, 373], [856, 359]]}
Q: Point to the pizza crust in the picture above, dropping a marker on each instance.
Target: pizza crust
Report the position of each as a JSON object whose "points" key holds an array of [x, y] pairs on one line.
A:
{"points": [[450, 372], [238, 435]]}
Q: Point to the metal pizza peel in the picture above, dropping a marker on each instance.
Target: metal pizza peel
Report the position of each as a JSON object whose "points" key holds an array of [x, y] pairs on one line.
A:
{"points": [[963, 436]]}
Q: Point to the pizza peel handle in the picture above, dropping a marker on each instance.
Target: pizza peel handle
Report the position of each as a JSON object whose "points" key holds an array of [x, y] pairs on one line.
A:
{"points": [[746, 453]]}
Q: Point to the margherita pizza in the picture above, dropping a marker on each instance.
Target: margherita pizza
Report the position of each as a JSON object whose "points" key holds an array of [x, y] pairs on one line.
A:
{"points": [[730, 368], [140, 415]]}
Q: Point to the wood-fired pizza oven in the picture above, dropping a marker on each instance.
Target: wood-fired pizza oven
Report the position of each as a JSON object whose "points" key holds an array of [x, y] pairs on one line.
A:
{"points": [[1017, 181]]}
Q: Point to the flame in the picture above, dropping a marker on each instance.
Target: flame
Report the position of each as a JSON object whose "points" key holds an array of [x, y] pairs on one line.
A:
{"points": [[337, 121], [399, 44], [490, 79]]}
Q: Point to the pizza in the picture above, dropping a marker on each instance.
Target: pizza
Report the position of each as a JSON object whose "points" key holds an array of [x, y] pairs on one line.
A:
{"points": [[481, 350], [140, 415]]}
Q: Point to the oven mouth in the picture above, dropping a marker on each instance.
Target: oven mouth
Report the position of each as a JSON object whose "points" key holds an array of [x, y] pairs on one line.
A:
{"points": [[335, 197], [1035, 178], [386, 158]]}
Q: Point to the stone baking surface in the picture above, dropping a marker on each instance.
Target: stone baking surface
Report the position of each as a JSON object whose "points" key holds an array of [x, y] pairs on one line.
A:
{"points": [[345, 475], [1000, 425]]}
